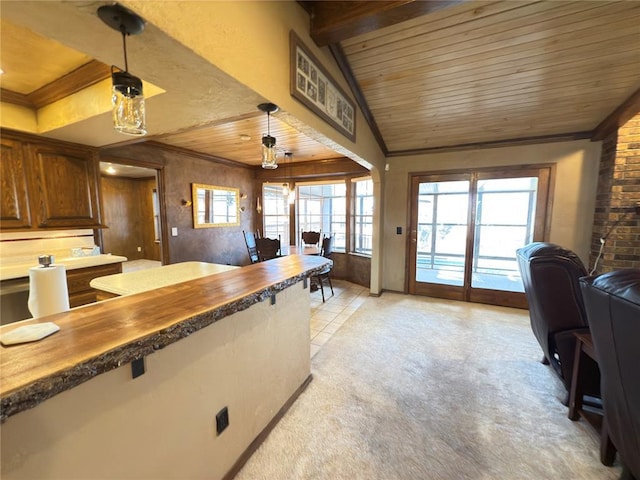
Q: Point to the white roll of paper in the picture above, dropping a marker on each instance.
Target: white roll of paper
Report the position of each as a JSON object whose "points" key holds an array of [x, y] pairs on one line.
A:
{"points": [[48, 293]]}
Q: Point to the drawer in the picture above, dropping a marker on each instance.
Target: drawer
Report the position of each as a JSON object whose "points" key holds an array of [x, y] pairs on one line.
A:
{"points": [[78, 280]]}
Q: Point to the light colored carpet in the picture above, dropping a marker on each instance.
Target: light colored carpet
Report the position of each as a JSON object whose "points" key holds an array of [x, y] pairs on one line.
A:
{"points": [[420, 388]]}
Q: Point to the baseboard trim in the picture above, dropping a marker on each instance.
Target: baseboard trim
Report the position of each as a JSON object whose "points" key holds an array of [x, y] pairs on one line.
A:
{"points": [[253, 446]]}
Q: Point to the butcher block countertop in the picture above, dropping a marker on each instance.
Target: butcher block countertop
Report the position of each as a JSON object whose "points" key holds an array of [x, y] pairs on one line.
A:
{"points": [[100, 337], [152, 278]]}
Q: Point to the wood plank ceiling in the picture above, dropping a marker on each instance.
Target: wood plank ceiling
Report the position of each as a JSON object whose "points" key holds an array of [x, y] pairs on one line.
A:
{"points": [[428, 75], [487, 72]]}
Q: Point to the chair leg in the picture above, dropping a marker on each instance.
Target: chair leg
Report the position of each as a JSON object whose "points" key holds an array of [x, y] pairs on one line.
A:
{"points": [[329, 278], [321, 287]]}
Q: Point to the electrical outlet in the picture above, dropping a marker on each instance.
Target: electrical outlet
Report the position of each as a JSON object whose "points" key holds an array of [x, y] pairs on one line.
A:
{"points": [[139, 249], [174, 231], [222, 420]]}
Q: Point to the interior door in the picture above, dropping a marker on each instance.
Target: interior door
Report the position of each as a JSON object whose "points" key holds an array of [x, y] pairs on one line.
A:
{"points": [[466, 227]]}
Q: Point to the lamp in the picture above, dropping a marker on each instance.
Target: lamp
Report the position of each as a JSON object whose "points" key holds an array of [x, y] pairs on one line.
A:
{"points": [[269, 152], [128, 97]]}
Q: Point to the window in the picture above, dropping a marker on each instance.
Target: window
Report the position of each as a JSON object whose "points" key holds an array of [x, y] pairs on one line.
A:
{"points": [[322, 206], [363, 216], [275, 213]]}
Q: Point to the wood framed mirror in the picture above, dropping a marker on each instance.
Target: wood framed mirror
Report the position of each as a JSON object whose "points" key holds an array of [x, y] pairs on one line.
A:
{"points": [[215, 206]]}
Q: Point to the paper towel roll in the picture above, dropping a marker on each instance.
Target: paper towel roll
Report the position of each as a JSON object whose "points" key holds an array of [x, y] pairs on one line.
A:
{"points": [[48, 292]]}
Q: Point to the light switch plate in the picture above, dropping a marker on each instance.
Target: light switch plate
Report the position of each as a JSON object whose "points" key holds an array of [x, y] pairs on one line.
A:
{"points": [[174, 231]]}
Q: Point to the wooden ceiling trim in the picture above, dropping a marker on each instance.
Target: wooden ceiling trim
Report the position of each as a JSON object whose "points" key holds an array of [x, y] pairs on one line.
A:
{"points": [[203, 156], [493, 144], [340, 166], [88, 74], [345, 68], [621, 115], [486, 31], [333, 22], [15, 98]]}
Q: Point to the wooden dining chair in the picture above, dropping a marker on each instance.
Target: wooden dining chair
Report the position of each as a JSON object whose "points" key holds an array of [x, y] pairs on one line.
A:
{"points": [[325, 275], [268, 248], [250, 241], [311, 238]]}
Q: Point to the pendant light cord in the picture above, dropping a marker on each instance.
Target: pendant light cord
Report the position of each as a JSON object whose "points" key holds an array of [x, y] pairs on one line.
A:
{"points": [[123, 29]]}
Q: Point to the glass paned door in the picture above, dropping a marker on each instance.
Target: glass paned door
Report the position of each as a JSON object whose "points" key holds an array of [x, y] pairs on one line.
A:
{"points": [[442, 232], [465, 230], [505, 213]]}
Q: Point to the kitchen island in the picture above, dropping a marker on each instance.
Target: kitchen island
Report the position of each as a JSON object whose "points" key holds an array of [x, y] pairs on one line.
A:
{"points": [[150, 279], [237, 340]]}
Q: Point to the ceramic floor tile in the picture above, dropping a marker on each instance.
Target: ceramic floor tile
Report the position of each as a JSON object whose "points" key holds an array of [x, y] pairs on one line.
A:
{"points": [[331, 307], [321, 338], [331, 328], [324, 315], [317, 324]]}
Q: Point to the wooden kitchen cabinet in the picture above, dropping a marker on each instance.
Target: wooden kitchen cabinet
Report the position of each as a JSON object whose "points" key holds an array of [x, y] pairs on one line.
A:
{"points": [[48, 184], [80, 292], [14, 199]]}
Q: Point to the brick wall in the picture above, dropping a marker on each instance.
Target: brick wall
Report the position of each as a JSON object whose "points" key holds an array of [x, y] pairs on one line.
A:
{"points": [[618, 193]]}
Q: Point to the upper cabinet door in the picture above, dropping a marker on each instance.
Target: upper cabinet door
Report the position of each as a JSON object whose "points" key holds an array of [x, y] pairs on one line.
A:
{"points": [[14, 199], [66, 187]]}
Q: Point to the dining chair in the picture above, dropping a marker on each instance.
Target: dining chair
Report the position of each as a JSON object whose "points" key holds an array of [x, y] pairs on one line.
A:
{"points": [[325, 275], [268, 248], [250, 241], [311, 238]]}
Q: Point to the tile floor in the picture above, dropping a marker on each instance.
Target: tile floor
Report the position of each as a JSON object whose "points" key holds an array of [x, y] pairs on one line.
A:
{"points": [[328, 317]]}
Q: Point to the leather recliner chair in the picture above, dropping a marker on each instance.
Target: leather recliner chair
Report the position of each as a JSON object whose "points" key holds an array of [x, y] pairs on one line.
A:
{"points": [[550, 276], [612, 303]]}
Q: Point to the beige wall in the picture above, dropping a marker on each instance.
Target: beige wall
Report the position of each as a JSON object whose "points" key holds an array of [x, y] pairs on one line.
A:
{"points": [[573, 203], [162, 424]]}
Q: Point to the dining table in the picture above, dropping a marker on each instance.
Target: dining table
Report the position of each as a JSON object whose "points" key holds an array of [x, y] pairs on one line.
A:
{"points": [[300, 250]]}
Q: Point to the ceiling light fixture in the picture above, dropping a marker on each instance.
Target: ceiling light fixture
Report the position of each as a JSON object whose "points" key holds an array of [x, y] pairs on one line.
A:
{"points": [[285, 186], [128, 97], [269, 152]]}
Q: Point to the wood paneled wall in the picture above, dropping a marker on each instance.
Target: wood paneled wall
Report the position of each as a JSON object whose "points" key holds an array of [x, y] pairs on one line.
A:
{"points": [[128, 213], [224, 245]]}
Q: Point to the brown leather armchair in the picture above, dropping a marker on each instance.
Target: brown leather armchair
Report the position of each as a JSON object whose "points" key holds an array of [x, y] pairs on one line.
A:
{"points": [[550, 275], [612, 303]]}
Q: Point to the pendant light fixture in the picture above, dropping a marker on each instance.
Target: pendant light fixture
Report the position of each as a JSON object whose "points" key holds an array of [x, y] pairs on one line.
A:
{"points": [[285, 186], [269, 152], [128, 97]]}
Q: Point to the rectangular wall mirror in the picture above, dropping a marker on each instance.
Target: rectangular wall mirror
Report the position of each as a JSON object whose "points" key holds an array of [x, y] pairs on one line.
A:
{"points": [[215, 206]]}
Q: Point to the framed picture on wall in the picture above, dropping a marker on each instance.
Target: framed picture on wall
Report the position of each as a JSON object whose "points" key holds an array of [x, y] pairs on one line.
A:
{"points": [[311, 84]]}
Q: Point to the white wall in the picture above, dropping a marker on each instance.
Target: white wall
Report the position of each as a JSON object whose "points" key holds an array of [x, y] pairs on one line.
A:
{"points": [[573, 202], [161, 425]]}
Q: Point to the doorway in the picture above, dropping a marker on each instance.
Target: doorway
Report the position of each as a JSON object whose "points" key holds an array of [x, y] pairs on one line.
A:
{"points": [[133, 212], [465, 228]]}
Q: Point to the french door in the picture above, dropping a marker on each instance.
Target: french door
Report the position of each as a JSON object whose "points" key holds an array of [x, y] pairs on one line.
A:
{"points": [[465, 228]]}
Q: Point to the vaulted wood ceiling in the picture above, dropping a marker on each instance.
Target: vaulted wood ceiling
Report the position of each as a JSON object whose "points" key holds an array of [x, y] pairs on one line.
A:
{"points": [[428, 75]]}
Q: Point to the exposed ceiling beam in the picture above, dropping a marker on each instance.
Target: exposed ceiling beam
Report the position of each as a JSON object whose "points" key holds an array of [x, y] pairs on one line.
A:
{"points": [[621, 115], [333, 22]]}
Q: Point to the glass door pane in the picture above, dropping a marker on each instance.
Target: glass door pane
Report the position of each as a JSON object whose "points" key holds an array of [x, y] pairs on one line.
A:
{"points": [[505, 214], [441, 232]]}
